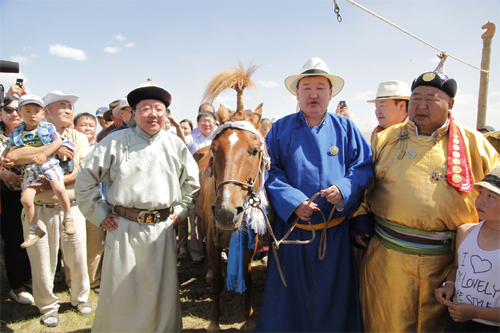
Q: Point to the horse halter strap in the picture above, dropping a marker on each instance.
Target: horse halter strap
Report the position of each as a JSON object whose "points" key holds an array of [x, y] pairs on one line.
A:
{"points": [[251, 186], [253, 196]]}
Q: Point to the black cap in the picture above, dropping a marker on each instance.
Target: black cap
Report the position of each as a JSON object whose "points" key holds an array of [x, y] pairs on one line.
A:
{"points": [[436, 80], [149, 92]]}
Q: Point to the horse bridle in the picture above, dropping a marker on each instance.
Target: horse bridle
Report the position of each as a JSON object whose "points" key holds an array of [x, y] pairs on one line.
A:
{"points": [[253, 197]]}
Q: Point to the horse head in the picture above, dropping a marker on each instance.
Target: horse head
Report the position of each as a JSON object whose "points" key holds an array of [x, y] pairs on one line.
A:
{"points": [[490, 30], [236, 163]]}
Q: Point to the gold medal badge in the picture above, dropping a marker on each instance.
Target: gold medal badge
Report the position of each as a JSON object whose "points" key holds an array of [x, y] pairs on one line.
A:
{"points": [[428, 77], [334, 150]]}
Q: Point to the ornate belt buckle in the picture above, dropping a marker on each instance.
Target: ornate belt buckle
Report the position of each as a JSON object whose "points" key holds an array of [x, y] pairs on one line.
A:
{"points": [[148, 217]]}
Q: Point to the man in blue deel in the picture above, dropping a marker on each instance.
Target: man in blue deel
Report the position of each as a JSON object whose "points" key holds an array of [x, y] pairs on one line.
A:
{"points": [[314, 151]]}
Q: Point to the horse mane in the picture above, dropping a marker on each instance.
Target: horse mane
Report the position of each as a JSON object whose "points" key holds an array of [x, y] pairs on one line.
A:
{"points": [[234, 78]]}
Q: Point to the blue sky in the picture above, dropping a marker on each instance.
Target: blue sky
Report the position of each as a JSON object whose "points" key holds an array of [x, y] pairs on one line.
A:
{"points": [[101, 50]]}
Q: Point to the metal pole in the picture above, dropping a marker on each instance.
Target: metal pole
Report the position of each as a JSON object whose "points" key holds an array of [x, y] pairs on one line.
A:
{"points": [[485, 75]]}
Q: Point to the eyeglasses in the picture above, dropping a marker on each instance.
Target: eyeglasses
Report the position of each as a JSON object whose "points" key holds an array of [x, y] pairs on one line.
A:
{"points": [[208, 122], [10, 109], [148, 109]]}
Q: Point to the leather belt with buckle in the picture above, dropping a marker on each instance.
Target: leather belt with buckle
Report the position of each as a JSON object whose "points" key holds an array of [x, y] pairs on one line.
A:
{"points": [[143, 216]]}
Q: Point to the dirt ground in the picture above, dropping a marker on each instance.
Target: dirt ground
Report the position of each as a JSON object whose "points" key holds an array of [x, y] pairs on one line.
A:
{"points": [[196, 298]]}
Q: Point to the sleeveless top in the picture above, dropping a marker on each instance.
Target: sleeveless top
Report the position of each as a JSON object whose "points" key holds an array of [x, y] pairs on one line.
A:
{"points": [[478, 275]]}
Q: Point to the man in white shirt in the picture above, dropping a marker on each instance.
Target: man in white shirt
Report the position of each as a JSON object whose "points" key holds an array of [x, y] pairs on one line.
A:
{"points": [[206, 125]]}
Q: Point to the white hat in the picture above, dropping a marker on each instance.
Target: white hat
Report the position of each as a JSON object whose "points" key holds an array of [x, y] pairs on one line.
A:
{"points": [[123, 104], [392, 90], [315, 67], [57, 95]]}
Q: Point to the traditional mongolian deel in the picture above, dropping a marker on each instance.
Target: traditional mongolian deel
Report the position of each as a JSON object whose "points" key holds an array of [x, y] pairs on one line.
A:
{"points": [[139, 259], [321, 295], [413, 196]]}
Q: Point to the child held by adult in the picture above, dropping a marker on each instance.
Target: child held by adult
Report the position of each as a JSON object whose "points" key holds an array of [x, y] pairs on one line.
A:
{"points": [[470, 290], [33, 132]]}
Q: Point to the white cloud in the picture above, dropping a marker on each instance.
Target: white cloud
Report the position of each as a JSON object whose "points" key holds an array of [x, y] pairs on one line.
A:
{"points": [[364, 96], [34, 55], [25, 48], [224, 99], [111, 49], [268, 84], [119, 37], [129, 45], [67, 52], [20, 59]]}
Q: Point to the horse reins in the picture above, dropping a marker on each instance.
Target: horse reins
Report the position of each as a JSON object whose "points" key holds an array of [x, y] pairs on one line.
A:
{"points": [[255, 202]]}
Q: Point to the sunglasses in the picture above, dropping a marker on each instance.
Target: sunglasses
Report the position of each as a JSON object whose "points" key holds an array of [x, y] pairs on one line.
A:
{"points": [[9, 109]]}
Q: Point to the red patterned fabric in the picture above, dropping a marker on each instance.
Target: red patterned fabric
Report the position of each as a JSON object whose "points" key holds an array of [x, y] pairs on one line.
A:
{"points": [[459, 174]]}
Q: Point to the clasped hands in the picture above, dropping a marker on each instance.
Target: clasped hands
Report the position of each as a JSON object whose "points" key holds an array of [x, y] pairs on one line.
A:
{"points": [[306, 209]]}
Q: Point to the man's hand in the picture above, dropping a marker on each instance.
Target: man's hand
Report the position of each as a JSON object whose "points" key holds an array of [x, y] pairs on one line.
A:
{"points": [[363, 242], [173, 121], [40, 159], [109, 223], [460, 312], [332, 194], [305, 210], [7, 163], [177, 220], [343, 111], [444, 294], [64, 151]]}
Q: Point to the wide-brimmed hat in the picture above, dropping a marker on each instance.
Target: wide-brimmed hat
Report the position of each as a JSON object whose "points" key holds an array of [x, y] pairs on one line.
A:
{"points": [[100, 111], [112, 106], [392, 90], [491, 181], [57, 95], [123, 104], [314, 67], [149, 90], [30, 99]]}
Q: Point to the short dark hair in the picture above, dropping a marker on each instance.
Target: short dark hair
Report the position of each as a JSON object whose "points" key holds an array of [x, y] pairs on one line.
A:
{"points": [[84, 115], [205, 114], [187, 121], [396, 101], [314, 76], [206, 103]]}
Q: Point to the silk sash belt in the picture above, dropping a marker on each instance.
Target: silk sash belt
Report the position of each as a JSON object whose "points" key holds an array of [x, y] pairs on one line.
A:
{"points": [[321, 225], [413, 241]]}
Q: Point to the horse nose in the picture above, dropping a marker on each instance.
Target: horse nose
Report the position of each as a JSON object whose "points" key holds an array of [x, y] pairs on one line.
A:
{"points": [[227, 218]]}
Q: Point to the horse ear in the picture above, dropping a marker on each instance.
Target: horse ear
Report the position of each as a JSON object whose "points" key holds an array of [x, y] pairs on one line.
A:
{"points": [[223, 114], [255, 118]]}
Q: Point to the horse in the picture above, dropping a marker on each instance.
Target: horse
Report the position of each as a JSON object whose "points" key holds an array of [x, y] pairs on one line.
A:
{"points": [[229, 174]]}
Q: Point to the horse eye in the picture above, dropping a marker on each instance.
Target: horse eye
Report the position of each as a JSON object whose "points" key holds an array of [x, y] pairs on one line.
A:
{"points": [[255, 151]]}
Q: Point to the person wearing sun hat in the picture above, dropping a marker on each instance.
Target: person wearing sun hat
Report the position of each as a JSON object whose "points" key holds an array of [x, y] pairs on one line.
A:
{"points": [[100, 117], [425, 169], [124, 112], [59, 111], [391, 104], [314, 151], [152, 182]]}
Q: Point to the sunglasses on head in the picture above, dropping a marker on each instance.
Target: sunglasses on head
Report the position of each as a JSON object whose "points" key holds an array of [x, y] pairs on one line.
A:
{"points": [[10, 109]]}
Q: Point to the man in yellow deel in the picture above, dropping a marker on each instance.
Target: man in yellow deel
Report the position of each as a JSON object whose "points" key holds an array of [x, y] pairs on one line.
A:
{"points": [[422, 192]]}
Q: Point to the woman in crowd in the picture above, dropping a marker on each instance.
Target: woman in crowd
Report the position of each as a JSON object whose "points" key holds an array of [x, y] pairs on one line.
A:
{"points": [[17, 264]]}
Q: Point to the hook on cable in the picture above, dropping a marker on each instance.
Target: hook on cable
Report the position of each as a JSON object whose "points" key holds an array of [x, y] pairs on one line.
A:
{"points": [[337, 11]]}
